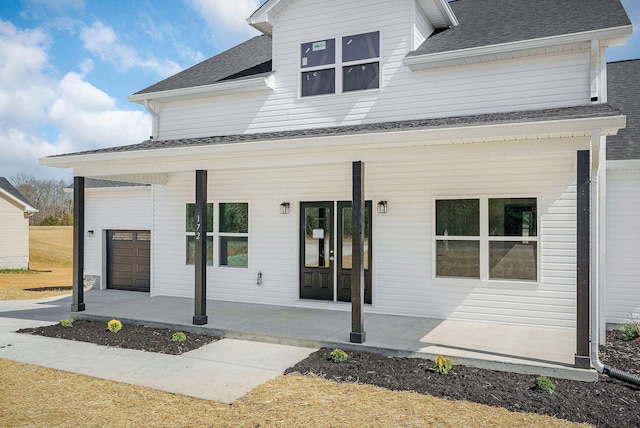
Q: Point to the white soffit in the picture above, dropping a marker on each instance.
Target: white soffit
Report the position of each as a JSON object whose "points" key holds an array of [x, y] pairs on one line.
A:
{"points": [[263, 18], [439, 13], [489, 53]]}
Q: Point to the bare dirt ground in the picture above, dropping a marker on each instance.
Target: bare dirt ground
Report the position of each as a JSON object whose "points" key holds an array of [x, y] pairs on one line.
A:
{"points": [[50, 264]]}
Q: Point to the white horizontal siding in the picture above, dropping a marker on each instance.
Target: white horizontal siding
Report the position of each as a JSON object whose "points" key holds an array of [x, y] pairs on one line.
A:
{"points": [[422, 27], [14, 237], [546, 81], [403, 240], [116, 208], [622, 238]]}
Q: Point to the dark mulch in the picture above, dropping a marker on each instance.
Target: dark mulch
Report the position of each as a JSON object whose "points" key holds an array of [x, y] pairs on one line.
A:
{"points": [[606, 403], [130, 337]]}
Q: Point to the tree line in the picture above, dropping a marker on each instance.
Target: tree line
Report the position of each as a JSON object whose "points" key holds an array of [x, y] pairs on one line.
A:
{"points": [[48, 196]]}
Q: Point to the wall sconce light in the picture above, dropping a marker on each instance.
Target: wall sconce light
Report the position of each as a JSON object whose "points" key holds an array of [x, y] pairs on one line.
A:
{"points": [[285, 208], [382, 207], [89, 233]]}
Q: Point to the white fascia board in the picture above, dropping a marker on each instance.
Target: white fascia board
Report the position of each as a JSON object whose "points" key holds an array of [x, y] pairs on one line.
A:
{"points": [[265, 83], [263, 18], [623, 165], [607, 37], [26, 208], [522, 131], [446, 16]]}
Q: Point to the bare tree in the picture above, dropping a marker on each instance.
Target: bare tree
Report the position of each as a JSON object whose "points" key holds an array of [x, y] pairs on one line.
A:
{"points": [[56, 207]]}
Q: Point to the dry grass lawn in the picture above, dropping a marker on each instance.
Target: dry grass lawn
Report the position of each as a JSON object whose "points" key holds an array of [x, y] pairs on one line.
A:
{"points": [[51, 257], [40, 397]]}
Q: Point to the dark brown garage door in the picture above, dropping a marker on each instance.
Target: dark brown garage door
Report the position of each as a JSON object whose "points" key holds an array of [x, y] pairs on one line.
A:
{"points": [[129, 259]]}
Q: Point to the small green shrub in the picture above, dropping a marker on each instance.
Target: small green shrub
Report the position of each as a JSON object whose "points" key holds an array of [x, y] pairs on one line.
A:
{"points": [[66, 323], [442, 364], [114, 326], [178, 337], [629, 331], [338, 356], [544, 384]]}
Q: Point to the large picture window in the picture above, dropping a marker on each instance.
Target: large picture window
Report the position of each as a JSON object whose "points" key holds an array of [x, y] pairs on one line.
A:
{"points": [[487, 238], [352, 65]]}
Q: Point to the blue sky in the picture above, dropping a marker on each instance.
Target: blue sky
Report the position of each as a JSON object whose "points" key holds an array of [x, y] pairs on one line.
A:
{"points": [[67, 67]]}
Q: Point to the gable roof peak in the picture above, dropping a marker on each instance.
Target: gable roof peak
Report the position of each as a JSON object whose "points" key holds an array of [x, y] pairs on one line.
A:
{"points": [[262, 19]]}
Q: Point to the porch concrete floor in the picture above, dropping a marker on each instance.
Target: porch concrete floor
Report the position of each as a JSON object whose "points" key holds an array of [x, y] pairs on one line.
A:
{"points": [[529, 350]]}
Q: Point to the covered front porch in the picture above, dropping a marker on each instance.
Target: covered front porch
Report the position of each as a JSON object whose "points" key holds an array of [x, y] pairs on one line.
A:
{"points": [[522, 349]]}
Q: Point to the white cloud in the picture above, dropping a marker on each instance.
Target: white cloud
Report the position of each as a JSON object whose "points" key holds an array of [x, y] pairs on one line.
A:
{"points": [[88, 118], [25, 90], [228, 18], [42, 115], [102, 41]]}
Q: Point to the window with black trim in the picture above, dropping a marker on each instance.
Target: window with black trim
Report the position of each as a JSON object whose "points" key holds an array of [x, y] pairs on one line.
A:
{"points": [[233, 234], [190, 228], [353, 65], [508, 243]]}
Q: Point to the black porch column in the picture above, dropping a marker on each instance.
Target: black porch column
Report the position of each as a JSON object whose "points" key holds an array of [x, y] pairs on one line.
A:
{"points": [[200, 314], [357, 255], [77, 304], [582, 359]]}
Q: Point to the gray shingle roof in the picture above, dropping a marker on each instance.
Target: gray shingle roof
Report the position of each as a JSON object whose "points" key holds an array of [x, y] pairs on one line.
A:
{"points": [[8, 187], [624, 94], [249, 59], [591, 111], [492, 22]]}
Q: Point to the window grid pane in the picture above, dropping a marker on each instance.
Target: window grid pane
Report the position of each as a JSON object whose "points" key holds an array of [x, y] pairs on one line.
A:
{"points": [[191, 250], [234, 217], [360, 77], [319, 82], [458, 259], [361, 46], [513, 217], [458, 217], [234, 251], [513, 260], [318, 53]]}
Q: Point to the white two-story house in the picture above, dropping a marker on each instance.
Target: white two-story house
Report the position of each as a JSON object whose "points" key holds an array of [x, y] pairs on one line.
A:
{"points": [[468, 126]]}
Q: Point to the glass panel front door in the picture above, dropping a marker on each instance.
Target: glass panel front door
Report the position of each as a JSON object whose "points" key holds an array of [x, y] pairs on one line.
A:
{"points": [[316, 250]]}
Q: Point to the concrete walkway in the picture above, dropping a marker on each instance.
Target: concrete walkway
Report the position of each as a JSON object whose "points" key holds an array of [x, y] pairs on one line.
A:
{"points": [[263, 340], [222, 371]]}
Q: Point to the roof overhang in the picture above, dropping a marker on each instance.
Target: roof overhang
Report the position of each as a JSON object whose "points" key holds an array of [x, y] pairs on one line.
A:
{"points": [[155, 163], [256, 84], [27, 209], [607, 37], [438, 11]]}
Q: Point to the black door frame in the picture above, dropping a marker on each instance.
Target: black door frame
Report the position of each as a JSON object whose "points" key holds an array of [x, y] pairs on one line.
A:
{"points": [[311, 285], [344, 275]]}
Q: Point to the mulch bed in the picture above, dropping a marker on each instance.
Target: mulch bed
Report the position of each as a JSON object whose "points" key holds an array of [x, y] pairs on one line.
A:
{"points": [[606, 403], [130, 337]]}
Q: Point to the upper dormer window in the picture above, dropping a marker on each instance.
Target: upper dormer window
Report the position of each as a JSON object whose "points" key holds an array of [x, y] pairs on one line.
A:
{"points": [[357, 57]]}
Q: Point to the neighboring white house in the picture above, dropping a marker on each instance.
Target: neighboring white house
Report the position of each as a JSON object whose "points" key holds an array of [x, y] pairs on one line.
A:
{"points": [[623, 196], [467, 116], [15, 211]]}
